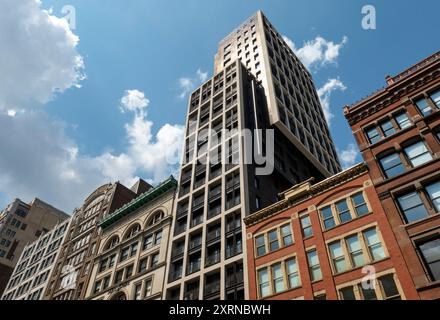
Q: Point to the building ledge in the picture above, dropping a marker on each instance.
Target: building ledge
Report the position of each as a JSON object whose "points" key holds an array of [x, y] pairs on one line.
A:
{"points": [[140, 201]]}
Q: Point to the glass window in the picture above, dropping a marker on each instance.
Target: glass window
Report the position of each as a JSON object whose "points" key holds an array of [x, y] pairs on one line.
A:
{"points": [[355, 251], [424, 107], [118, 277], [367, 293], [392, 165], [111, 261], [261, 245], [306, 225], [148, 288], [137, 291], [389, 288], [315, 268], [286, 235], [360, 206], [387, 128], [347, 293], [143, 265], [292, 273], [374, 244], [412, 207], [158, 237], [338, 257], [431, 254], [343, 211], [273, 240], [418, 154], [436, 98], [373, 135], [124, 254], [263, 279], [277, 276], [403, 120], [154, 260], [148, 242], [434, 194], [327, 218], [133, 249]]}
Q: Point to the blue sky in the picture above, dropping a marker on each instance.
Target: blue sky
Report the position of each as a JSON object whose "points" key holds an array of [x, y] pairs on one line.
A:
{"points": [[150, 45]]}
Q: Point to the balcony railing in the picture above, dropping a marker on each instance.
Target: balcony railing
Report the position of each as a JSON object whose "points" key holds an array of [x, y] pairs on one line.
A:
{"points": [[233, 250], [235, 279], [213, 258], [181, 212], [196, 220], [193, 267], [175, 275], [195, 243], [179, 229], [232, 226], [211, 288], [199, 182], [214, 211], [198, 203], [192, 295], [215, 194], [215, 234], [177, 251]]}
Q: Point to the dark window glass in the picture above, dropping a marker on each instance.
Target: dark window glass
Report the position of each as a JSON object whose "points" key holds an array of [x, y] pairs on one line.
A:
{"points": [[392, 165], [412, 207], [431, 254], [387, 128]]}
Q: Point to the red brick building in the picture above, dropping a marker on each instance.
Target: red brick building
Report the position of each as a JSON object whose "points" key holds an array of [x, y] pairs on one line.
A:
{"points": [[321, 241], [398, 130]]}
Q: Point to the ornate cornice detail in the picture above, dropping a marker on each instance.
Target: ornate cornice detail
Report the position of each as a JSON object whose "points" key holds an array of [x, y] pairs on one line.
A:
{"points": [[398, 87], [305, 191]]}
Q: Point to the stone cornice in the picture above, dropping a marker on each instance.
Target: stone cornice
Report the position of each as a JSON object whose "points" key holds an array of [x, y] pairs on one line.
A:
{"points": [[398, 88], [305, 191]]}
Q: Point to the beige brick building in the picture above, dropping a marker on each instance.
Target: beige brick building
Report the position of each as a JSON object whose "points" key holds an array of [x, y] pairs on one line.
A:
{"points": [[131, 259]]}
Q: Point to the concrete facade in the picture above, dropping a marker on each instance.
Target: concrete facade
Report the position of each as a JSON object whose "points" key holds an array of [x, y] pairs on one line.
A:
{"points": [[131, 259], [30, 277], [72, 269], [218, 185], [21, 223]]}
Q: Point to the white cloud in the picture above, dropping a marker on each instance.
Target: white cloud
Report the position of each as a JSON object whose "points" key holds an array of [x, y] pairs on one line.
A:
{"points": [[38, 56], [42, 161], [11, 112], [349, 155], [318, 52], [325, 93], [188, 84], [134, 100]]}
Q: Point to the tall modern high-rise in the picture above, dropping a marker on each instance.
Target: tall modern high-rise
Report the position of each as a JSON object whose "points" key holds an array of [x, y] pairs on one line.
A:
{"points": [[292, 100], [258, 84]]}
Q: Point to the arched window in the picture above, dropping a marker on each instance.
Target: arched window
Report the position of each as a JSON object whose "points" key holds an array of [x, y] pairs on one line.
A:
{"points": [[157, 216], [134, 230], [113, 242]]}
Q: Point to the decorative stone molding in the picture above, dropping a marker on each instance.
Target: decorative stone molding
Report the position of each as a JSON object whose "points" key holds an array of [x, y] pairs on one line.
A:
{"points": [[305, 191]]}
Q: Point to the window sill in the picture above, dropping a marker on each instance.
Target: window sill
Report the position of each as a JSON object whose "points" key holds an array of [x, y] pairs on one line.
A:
{"points": [[345, 223], [274, 251], [387, 139], [370, 263], [386, 180], [422, 221], [280, 293]]}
